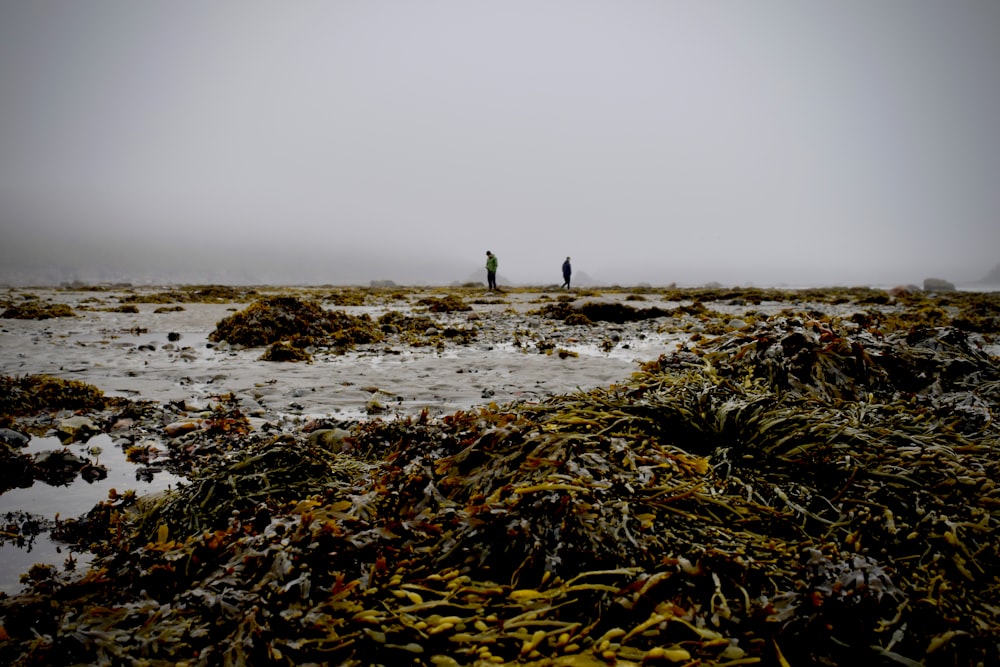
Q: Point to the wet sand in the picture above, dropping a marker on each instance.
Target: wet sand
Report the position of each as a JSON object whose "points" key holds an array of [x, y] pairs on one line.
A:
{"points": [[130, 355]]}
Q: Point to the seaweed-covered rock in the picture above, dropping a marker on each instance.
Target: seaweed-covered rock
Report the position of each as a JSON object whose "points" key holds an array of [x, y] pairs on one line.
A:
{"points": [[284, 351], [394, 321], [595, 311], [445, 304], [37, 310], [30, 394], [346, 331], [270, 320], [193, 294], [58, 467]]}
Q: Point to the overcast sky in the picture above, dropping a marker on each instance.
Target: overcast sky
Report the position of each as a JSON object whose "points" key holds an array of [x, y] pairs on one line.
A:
{"points": [[765, 142]]}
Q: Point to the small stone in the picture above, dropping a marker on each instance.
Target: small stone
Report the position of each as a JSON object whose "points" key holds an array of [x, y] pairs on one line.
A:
{"points": [[75, 428], [334, 439]]}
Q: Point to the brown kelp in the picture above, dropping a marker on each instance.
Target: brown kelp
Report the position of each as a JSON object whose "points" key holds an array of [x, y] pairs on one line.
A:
{"points": [[193, 294], [33, 309], [285, 351], [798, 492], [27, 394], [444, 304], [272, 319]]}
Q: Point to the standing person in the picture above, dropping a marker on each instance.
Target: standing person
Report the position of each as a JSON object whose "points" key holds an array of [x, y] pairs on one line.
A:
{"points": [[567, 272], [491, 270]]}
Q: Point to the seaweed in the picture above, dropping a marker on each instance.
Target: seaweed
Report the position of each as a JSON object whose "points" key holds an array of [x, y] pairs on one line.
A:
{"points": [[805, 490], [193, 294], [270, 320], [285, 351], [35, 310], [30, 394], [445, 304], [347, 297]]}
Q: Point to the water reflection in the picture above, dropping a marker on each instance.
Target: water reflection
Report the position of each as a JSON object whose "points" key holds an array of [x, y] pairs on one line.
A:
{"points": [[42, 503]]}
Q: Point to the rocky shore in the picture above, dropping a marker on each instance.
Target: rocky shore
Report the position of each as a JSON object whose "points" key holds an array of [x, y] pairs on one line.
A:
{"points": [[446, 476]]}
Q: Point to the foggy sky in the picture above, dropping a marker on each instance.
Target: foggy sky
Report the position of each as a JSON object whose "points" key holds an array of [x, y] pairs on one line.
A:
{"points": [[765, 142]]}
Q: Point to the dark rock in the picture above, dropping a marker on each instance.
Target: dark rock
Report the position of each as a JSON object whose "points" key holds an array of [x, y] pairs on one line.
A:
{"points": [[938, 285], [57, 468], [13, 438]]}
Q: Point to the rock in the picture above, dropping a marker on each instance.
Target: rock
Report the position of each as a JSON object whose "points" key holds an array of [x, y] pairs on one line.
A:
{"points": [[122, 424], [58, 468], [76, 428], [382, 283], [250, 407], [938, 285], [177, 428], [737, 323], [259, 423], [93, 472], [336, 440], [903, 290], [13, 438]]}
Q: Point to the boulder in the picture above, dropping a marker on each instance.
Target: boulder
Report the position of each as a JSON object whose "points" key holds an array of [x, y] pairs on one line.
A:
{"points": [[903, 290], [938, 285]]}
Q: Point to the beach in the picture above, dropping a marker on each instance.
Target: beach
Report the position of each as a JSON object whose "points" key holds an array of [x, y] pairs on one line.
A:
{"points": [[130, 355], [181, 404]]}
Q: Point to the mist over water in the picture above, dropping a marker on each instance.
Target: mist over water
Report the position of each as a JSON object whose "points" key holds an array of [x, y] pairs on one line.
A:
{"points": [[238, 262]]}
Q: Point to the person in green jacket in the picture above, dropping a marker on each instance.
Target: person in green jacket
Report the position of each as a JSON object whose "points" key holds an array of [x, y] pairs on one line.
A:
{"points": [[491, 270]]}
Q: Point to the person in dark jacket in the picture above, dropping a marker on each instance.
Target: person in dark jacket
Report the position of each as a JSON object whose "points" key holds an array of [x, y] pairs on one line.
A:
{"points": [[567, 272], [491, 270]]}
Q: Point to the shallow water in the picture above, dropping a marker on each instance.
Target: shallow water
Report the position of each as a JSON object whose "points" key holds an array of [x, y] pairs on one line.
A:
{"points": [[74, 500]]}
